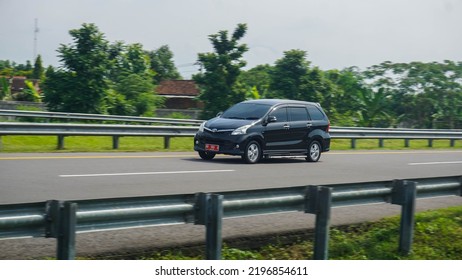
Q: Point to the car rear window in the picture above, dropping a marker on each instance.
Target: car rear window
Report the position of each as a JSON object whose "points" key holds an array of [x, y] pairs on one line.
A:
{"points": [[315, 113]]}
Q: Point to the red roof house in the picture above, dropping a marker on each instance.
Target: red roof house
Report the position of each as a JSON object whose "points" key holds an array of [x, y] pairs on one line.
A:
{"points": [[179, 94]]}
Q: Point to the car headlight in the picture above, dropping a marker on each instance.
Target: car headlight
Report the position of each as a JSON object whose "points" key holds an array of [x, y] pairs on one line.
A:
{"points": [[201, 127], [241, 130]]}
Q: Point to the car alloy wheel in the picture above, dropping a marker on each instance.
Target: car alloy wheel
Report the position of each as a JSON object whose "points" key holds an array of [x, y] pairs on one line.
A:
{"points": [[314, 151], [252, 153]]}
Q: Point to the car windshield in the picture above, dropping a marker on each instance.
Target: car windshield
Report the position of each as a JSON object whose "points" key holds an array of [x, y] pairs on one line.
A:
{"points": [[246, 111]]}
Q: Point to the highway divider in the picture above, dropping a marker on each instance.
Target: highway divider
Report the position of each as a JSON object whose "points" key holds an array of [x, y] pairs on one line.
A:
{"points": [[167, 132], [184, 128], [64, 219]]}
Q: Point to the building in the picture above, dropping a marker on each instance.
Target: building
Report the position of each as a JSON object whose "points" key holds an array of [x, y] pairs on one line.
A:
{"points": [[180, 94]]}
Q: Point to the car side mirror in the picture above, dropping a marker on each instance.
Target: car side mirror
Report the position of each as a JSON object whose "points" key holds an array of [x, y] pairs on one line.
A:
{"points": [[270, 119], [219, 114]]}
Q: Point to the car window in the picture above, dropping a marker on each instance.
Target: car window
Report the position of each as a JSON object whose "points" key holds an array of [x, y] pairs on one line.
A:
{"points": [[280, 114], [315, 113], [298, 114]]}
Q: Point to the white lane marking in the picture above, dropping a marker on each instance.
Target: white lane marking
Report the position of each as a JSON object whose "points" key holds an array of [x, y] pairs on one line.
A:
{"points": [[435, 163], [145, 173]]}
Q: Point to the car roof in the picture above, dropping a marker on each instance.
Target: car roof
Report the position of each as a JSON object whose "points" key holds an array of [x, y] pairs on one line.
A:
{"points": [[273, 102]]}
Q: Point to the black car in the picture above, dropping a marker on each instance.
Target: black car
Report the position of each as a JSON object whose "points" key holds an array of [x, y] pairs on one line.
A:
{"points": [[265, 128]]}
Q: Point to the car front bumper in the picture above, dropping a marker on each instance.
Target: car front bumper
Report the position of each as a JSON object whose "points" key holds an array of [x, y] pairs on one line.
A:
{"points": [[227, 143]]}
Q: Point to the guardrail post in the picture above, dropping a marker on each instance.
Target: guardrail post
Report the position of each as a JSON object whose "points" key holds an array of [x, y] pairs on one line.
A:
{"points": [[115, 142], [404, 193], [452, 142], [406, 143], [353, 143], [381, 143], [60, 142], [61, 224], [319, 201], [166, 142], [430, 143], [1, 143], [209, 212]]}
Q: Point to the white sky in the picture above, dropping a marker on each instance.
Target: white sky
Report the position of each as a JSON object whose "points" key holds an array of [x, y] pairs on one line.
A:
{"points": [[335, 33]]}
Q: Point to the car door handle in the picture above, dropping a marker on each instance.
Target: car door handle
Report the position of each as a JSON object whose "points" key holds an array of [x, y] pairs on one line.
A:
{"points": [[286, 126], [309, 124]]}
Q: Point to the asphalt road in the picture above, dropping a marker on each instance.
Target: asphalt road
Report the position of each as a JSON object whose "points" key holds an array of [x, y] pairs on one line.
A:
{"points": [[40, 177]]}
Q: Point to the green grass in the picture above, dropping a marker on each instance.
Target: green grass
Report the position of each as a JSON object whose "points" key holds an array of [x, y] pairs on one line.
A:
{"points": [[28, 144], [395, 144], [437, 236], [92, 144]]}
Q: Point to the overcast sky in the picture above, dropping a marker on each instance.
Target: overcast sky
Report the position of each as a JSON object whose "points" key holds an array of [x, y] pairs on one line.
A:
{"points": [[335, 33]]}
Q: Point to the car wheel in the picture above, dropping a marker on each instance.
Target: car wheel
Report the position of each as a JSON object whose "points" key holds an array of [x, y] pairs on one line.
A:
{"points": [[314, 151], [206, 155], [252, 153]]}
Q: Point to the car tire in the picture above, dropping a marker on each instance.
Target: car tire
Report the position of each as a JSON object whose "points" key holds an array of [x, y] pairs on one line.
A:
{"points": [[206, 155], [252, 152], [314, 151]]}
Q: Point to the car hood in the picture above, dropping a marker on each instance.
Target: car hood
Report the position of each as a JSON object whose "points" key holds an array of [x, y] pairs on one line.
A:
{"points": [[222, 123]]}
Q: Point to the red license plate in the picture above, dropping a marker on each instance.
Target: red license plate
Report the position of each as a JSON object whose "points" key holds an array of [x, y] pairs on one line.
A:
{"points": [[211, 147]]}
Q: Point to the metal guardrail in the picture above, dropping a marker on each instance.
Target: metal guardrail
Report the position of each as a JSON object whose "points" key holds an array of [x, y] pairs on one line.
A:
{"points": [[355, 133], [117, 131], [63, 219], [96, 117]]}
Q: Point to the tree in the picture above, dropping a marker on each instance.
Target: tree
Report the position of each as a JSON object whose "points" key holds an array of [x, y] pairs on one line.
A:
{"points": [[85, 65], [422, 95], [218, 80], [162, 64], [349, 87], [5, 90], [38, 71], [259, 78], [292, 78], [371, 112], [289, 74], [133, 95], [131, 89]]}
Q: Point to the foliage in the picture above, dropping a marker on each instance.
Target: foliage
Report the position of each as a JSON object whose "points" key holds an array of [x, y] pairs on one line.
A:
{"points": [[218, 80], [5, 90], [30, 93], [9, 68], [421, 95], [80, 85], [289, 75], [257, 79], [99, 77], [380, 240], [293, 78], [94, 71], [38, 72], [161, 63], [414, 95]]}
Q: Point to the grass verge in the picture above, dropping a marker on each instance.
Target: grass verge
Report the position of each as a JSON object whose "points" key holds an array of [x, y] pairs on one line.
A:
{"points": [[26, 144]]}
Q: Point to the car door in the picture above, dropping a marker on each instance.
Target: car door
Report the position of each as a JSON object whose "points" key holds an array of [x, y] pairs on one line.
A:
{"points": [[299, 127], [277, 132]]}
